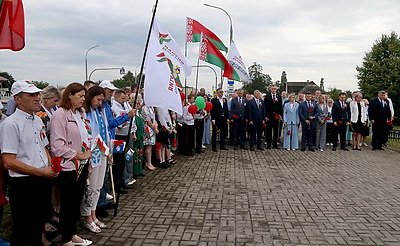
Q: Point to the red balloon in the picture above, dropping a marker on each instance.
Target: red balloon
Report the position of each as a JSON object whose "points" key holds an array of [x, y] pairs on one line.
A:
{"points": [[208, 107], [193, 109], [182, 96]]}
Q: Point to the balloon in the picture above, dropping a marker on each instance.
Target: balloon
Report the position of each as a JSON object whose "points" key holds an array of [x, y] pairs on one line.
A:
{"points": [[182, 96], [208, 107], [193, 109], [200, 102]]}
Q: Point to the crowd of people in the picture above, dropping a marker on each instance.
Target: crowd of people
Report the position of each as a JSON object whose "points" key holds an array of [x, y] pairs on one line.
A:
{"points": [[64, 148]]}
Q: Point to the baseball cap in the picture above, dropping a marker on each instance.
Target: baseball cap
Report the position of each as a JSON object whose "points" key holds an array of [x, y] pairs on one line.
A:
{"points": [[23, 86], [108, 84]]}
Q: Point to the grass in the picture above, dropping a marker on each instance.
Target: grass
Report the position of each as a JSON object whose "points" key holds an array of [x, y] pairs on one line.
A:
{"points": [[393, 145]]}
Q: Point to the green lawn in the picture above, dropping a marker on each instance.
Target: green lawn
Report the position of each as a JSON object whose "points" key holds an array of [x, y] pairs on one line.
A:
{"points": [[6, 226], [393, 145]]}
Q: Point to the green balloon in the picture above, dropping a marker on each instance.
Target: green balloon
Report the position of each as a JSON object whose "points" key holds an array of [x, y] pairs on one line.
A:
{"points": [[200, 102]]}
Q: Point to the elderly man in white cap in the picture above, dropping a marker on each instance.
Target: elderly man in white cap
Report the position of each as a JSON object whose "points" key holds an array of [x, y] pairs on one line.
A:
{"points": [[22, 143], [112, 123]]}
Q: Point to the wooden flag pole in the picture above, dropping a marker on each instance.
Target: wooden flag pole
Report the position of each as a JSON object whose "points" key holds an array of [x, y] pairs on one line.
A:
{"points": [[135, 101]]}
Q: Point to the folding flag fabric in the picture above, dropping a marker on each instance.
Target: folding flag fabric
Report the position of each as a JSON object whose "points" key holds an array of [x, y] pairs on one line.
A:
{"points": [[194, 29], [172, 51], [119, 146], [101, 145], [160, 83], [237, 63], [12, 25], [210, 53]]}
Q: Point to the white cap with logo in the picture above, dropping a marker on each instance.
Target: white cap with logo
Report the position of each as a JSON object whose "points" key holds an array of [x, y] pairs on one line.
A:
{"points": [[108, 84], [23, 86]]}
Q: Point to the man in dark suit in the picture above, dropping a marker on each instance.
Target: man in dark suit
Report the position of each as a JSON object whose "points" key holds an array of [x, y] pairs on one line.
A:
{"points": [[340, 117], [308, 113], [256, 115], [219, 120], [237, 114], [274, 111], [379, 114]]}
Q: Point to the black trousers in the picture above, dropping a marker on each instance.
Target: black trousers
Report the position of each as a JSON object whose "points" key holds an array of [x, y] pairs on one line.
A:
{"points": [[231, 133], [223, 128], [30, 201], [379, 134], [256, 134], [71, 194], [188, 141], [239, 132], [272, 128], [340, 130], [119, 166], [181, 139], [199, 128], [330, 133]]}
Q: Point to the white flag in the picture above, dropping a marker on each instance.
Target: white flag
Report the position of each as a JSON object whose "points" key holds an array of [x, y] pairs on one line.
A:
{"points": [[237, 63], [171, 50], [160, 83]]}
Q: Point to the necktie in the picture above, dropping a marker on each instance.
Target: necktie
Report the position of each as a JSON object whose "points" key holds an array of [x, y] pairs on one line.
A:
{"points": [[308, 103], [342, 105], [258, 103], [273, 97]]}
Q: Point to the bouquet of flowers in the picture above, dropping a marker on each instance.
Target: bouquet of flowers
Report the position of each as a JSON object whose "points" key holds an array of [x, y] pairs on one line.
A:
{"points": [[276, 117], [56, 164], [235, 116], [288, 132]]}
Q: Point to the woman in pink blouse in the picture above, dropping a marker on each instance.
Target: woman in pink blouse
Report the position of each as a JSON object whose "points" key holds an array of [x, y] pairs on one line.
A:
{"points": [[70, 139]]}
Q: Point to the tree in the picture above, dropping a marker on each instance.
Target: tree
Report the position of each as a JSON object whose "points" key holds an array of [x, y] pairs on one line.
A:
{"points": [[283, 81], [10, 78], [259, 81], [381, 69], [40, 84], [126, 81]]}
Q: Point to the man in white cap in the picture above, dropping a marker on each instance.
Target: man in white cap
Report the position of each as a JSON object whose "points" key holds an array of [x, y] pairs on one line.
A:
{"points": [[112, 123], [22, 143]]}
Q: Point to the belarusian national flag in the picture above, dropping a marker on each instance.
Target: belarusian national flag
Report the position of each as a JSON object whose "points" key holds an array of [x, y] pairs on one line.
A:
{"points": [[99, 143], [210, 53], [194, 29], [160, 82], [12, 25], [237, 63]]}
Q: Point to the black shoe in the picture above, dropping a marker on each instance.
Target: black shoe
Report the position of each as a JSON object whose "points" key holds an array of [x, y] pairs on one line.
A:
{"points": [[215, 150], [345, 149], [101, 213], [303, 149], [276, 147], [334, 149], [224, 148], [244, 148], [311, 149], [163, 165], [123, 191], [381, 148], [236, 147], [268, 147], [252, 148], [125, 187], [260, 148], [374, 149], [141, 174]]}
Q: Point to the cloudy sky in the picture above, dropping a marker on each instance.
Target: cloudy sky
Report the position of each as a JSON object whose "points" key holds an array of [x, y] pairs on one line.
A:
{"points": [[308, 39]]}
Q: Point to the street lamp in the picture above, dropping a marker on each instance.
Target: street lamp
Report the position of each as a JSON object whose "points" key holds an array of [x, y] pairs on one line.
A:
{"points": [[230, 20], [121, 70], [86, 67], [215, 73]]}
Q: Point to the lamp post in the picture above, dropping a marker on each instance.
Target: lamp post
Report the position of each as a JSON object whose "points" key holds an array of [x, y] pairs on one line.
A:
{"points": [[230, 20], [121, 70], [86, 66], [215, 73]]}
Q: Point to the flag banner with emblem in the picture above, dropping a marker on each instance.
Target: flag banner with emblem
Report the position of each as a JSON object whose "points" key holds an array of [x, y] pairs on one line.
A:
{"points": [[160, 84], [194, 29], [119, 146], [12, 25], [210, 53], [172, 51], [101, 145], [237, 63]]}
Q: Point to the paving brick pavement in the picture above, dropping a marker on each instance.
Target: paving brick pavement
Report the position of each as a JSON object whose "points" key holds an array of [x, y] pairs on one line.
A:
{"points": [[270, 197]]}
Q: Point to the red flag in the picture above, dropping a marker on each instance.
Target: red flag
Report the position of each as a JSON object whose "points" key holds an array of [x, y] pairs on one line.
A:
{"points": [[194, 29], [12, 25], [210, 53]]}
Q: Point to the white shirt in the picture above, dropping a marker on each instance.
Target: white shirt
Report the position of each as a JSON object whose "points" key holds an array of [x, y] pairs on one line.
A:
{"points": [[164, 118], [221, 101], [24, 134], [391, 107], [121, 109], [187, 117]]}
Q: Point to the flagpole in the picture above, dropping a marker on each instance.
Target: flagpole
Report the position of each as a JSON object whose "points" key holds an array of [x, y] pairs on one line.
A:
{"points": [[135, 101], [197, 73], [186, 54]]}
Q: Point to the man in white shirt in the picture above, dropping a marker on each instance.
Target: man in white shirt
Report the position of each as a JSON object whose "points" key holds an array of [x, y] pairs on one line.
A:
{"points": [[22, 143]]}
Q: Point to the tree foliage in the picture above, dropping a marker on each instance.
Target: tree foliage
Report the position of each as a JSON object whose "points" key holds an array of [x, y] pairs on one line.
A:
{"points": [[381, 69], [40, 84], [10, 78], [259, 80], [127, 80]]}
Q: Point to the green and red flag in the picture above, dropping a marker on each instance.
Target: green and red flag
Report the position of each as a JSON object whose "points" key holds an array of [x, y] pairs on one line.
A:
{"points": [[12, 25], [99, 143], [194, 29], [210, 53]]}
